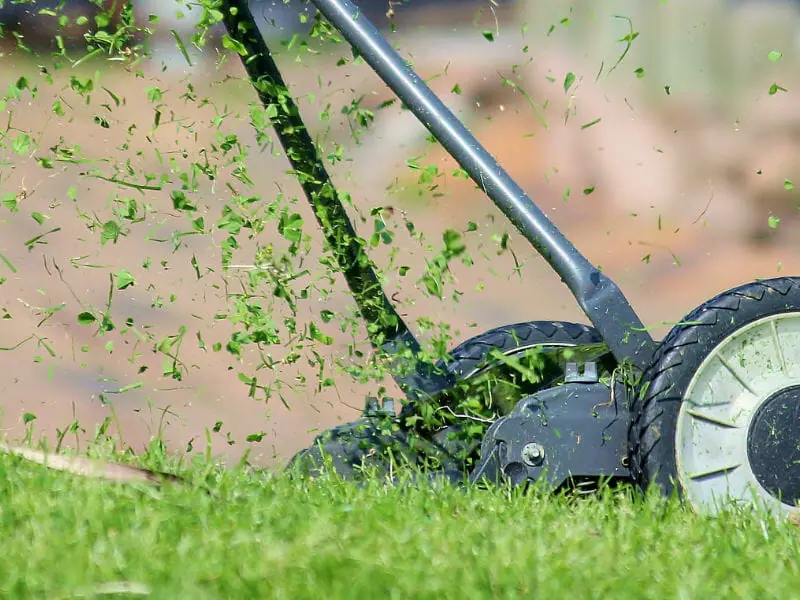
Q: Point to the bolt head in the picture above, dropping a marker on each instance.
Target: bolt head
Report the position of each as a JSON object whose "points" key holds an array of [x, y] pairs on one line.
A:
{"points": [[532, 454]]}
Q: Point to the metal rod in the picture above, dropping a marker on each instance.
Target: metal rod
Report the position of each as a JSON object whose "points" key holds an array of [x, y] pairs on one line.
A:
{"points": [[598, 296], [386, 329]]}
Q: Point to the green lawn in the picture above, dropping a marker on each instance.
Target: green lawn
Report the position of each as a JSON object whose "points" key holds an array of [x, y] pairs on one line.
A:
{"points": [[234, 534]]}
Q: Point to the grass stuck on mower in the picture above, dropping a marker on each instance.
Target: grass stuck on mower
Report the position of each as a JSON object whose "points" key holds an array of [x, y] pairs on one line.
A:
{"points": [[711, 412]]}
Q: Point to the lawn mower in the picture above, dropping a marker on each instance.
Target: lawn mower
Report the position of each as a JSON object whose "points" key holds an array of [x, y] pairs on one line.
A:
{"points": [[711, 413]]}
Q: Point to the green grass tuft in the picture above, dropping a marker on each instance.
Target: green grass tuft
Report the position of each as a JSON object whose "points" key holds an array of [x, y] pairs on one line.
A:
{"points": [[251, 535]]}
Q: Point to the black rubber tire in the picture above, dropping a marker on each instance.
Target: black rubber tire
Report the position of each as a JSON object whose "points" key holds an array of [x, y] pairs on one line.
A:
{"points": [[358, 443], [362, 444], [655, 406], [473, 353]]}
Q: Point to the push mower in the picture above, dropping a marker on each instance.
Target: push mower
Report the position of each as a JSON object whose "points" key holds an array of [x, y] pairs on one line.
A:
{"points": [[711, 413]]}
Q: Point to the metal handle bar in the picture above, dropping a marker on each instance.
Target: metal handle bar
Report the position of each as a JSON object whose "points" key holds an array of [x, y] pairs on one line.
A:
{"points": [[598, 296]]}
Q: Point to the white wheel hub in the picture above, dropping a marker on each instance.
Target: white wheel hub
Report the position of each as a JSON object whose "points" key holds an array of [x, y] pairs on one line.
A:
{"points": [[737, 381]]}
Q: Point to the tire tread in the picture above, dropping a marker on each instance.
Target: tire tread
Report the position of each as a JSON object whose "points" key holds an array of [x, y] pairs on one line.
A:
{"points": [[707, 325]]}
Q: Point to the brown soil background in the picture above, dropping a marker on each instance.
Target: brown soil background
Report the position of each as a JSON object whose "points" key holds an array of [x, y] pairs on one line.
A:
{"points": [[673, 181]]}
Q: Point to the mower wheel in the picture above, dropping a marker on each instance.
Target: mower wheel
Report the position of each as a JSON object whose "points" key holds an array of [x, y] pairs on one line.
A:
{"points": [[367, 441], [368, 446], [716, 417], [471, 356]]}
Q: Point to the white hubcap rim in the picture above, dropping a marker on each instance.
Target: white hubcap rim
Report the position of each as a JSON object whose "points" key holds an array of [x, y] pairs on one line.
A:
{"points": [[732, 383]]}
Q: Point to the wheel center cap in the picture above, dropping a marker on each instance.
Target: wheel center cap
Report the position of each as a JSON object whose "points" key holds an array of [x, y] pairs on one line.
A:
{"points": [[773, 445]]}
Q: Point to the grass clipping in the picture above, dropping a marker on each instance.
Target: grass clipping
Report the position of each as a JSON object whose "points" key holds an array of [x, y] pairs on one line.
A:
{"points": [[87, 467]]}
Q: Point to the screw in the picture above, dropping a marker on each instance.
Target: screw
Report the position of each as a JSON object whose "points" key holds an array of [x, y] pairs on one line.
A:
{"points": [[532, 454]]}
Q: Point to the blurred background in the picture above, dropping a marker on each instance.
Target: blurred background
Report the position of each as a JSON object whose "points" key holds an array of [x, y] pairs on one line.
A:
{"points": [[662, 137]]}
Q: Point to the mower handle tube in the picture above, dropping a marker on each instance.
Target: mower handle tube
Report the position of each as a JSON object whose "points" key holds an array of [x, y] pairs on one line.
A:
{"points": [[600, 298], [386, 328]]}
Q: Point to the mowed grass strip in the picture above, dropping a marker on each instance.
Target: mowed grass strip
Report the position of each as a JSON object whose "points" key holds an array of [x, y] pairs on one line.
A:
{"points": [[238, 534]]}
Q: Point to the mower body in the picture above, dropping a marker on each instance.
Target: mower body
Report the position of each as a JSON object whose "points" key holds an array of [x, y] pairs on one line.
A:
{"points": [[712, 411]]}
